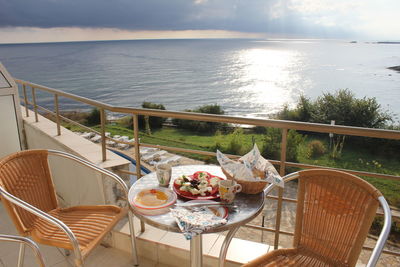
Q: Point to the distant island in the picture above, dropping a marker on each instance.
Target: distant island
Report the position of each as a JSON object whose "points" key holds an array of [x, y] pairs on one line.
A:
{"points": [[388, 42], [396, 68]]}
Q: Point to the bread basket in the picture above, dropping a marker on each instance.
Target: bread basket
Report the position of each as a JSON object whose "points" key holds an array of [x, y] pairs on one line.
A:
{"points": [[251, 171], [248, 187]]}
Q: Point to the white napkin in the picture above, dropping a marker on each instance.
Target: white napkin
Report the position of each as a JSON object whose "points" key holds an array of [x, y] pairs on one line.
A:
{"points": [[243, 170]]}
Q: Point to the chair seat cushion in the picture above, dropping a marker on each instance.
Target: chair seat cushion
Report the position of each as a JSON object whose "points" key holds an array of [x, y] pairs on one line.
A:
{"points": [[88, 223], [291, 257]]}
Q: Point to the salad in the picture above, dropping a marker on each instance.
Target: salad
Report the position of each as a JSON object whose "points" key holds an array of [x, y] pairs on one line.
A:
{"points": [[201, 183]]}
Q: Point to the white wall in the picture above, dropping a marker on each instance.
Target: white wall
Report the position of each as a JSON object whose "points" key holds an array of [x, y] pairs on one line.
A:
{"points": [[75, 184], [9, 135]]}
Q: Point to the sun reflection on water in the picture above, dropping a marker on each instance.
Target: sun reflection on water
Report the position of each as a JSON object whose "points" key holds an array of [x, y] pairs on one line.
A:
{"points": [[265, 78]]}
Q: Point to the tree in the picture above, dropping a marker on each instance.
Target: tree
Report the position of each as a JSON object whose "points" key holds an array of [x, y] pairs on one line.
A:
{"points": [[202, 126]]}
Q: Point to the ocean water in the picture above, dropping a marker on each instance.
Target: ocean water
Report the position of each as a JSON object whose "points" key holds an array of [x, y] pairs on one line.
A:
{"points": [[246, 77]]}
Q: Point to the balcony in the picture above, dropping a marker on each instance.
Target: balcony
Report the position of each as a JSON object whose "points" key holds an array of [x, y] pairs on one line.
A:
{"points": [[156, 247]]}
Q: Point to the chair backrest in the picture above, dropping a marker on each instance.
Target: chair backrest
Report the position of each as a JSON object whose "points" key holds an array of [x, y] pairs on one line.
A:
{"points": [[26, 175], [334, 213]]}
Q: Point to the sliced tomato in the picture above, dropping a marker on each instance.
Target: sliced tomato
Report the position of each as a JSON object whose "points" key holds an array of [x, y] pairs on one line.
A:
{"points": [[198, 174]]}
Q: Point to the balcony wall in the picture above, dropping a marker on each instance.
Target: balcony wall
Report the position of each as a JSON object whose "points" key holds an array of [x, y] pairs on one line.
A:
{"points": [[75, 184]]}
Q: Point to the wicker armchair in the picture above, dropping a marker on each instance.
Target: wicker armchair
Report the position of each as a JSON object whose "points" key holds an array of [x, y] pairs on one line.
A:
{"points": [[334, 213], [28, 194]]}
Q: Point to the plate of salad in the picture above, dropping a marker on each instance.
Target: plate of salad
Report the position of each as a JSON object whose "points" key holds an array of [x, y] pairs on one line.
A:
{"points": [[199, 185]]}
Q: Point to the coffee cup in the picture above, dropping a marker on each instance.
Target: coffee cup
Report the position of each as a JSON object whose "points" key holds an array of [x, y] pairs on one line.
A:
{"points": [[228, 190], [163, 172]]}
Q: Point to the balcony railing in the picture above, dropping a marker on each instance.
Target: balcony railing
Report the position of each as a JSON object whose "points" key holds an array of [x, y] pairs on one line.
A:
{"points": [[285, 126]]}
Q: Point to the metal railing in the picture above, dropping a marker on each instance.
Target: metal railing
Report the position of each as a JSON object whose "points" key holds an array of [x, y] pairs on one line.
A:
{"points": [[285, 126]]}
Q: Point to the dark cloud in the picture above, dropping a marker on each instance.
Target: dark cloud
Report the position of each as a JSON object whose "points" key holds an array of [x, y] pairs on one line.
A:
{"points": [[234, 15]]}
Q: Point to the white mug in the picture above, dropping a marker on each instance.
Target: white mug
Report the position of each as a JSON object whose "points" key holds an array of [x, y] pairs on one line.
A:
{"points": [[228, 189], [163, 172]]}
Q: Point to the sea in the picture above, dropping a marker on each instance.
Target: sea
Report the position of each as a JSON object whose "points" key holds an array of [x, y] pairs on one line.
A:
{"points": [[247, 77]]}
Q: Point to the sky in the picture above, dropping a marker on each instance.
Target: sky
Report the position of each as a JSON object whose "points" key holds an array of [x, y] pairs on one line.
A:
{"points": [[75, 20]]}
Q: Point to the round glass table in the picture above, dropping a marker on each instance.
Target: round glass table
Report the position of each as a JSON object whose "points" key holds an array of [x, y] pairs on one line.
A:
{"points": [[249, 206]]}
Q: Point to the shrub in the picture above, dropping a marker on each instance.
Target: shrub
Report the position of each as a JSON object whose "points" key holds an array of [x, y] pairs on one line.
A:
{"points": [[202, 126], [218, 138], [154, 122], [303, 112], [259, 130], [315, 149], [236, 140], [94, 117], [342, 107], [337, 146], [272, 144]]}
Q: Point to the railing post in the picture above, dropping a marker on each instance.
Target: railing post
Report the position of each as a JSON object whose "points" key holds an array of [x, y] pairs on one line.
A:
{"points": [[25, 100], [280, 190], [35, 109], [137, 149], [137, 156], [57, 111], [103, 133]]}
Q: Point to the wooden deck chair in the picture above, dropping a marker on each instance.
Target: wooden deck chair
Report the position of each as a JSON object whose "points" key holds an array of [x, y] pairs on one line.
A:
{"points": [[28, 194], [23, 241], [334, 213]]}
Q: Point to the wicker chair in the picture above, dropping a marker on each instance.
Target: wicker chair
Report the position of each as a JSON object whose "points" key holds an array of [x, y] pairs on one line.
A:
{"points": [[29, 197], [24, 242], [334, 213]]}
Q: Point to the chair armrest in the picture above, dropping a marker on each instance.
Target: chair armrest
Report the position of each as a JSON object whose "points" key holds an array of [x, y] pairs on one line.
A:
{"points": [[32, 209], [286, 178], [387, 216], [26, 241], [93, 166]]}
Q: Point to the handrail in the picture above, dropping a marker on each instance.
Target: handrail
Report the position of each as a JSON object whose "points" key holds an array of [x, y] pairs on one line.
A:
{"points": [[282, 124]]}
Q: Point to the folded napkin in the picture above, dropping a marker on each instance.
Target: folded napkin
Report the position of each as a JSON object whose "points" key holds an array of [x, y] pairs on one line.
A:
{"points": [[195, 221], [242, 169]]}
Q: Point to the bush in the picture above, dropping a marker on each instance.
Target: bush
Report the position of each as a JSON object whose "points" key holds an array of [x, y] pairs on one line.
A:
{"points": [[272, 144], [202, 126], [315, 149], [259, 130], [236, 140], [93, 118], [154, 122], [342, 107], [377, 225], [303, 112]]}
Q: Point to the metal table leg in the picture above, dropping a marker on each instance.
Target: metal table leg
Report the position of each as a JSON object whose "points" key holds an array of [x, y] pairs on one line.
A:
{"points": [[196, 251], [225, 246]]}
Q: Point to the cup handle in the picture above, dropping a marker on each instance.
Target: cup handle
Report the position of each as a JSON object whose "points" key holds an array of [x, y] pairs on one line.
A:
{"points": [[238, 188]]}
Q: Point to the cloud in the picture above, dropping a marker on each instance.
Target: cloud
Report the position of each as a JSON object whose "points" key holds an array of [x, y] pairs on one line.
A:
{"points": [[309, 18]]}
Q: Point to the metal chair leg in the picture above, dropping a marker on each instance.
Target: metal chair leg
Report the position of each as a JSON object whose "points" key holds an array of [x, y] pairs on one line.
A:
{"points": [[21, 255], [133, 239]]}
